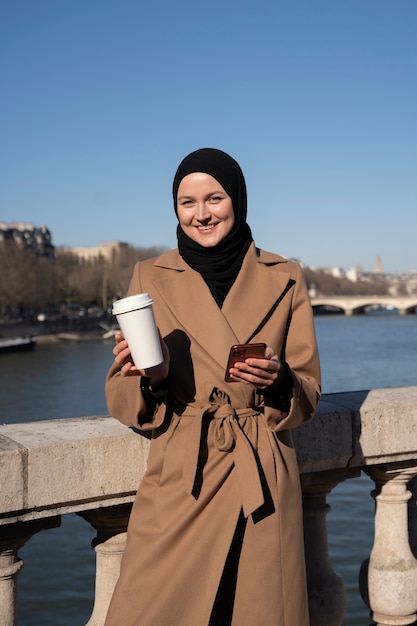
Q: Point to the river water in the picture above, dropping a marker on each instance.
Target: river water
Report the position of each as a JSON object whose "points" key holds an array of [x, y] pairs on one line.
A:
{"points": [[56, 584]]}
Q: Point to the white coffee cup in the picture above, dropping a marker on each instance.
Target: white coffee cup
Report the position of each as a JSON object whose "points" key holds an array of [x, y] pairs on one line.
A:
{"points": [[137, 323]]}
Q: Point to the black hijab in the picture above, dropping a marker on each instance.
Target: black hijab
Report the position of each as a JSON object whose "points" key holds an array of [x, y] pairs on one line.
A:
{"points": [[219, 265]]}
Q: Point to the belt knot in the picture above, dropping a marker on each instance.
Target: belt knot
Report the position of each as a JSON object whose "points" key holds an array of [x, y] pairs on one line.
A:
{"points": [[228, 437]]}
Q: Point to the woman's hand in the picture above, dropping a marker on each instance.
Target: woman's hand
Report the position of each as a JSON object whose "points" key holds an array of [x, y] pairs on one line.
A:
{"points": [[124, 359], [261, 373]]}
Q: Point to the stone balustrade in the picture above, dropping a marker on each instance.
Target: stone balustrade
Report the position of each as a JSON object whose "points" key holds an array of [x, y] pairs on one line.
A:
{"points": [[92, 466]]}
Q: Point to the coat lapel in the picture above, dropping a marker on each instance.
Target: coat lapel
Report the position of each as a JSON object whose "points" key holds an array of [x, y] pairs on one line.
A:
{"points": [[186, 294], [256, 291]]}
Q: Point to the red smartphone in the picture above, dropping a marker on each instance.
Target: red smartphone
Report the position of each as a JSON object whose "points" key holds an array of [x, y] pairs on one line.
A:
{"points": [[241, 352]]}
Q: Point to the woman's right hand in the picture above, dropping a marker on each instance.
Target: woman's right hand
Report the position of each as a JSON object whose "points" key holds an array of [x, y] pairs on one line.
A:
{"points": [[123, 358]]}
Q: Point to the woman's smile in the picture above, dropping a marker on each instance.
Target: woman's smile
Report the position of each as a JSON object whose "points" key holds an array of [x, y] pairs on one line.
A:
{"points": [[207, 228]]}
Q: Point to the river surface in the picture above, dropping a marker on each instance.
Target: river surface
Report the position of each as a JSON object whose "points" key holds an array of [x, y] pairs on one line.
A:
{"points": [[56, 584]]}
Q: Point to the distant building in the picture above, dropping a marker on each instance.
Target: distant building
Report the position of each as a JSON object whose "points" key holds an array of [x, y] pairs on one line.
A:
{"points": [[352, 275], [378, 266], [35, 238], [106, 250], [355, 274], [336, 272]]}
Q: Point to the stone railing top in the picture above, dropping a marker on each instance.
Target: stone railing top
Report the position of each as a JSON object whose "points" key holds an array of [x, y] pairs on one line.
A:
{"points": [[360, 428], [68, 465]]}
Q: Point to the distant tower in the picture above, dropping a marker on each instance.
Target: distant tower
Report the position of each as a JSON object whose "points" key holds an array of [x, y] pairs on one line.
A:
{"points": [[378, 266]]}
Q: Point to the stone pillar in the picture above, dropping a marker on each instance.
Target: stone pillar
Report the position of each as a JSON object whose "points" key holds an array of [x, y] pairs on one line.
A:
{"points": [[412, 516], [10, 566], [109, 544], [388, 581], [12, 538], [326, 591]]}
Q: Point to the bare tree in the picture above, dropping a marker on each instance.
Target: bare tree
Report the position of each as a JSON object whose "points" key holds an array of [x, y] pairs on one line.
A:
{"points": [[31, 283]]}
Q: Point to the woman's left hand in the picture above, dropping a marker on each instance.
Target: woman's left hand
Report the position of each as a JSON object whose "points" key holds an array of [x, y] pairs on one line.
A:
{"points": [[261, 373]]}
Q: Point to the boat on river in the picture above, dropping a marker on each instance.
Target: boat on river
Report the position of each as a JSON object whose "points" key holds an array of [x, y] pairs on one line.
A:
{"points": [[17, 344]]}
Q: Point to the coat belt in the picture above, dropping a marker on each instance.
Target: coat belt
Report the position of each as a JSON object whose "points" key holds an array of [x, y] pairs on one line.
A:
{"points": [[228, 437]]}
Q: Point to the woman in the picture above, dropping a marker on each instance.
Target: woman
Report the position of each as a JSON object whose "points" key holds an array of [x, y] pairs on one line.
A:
{"points": [[215, 535]]}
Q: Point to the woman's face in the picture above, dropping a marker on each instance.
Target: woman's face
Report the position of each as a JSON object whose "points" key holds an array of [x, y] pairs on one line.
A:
{"points": [[204, 209]]}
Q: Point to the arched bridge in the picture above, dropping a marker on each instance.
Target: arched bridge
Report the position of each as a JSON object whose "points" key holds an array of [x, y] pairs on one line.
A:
{"points": [[355, 305]]}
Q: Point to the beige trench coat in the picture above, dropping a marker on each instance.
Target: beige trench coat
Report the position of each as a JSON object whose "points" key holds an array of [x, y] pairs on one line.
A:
{"points": [[217, 449]]}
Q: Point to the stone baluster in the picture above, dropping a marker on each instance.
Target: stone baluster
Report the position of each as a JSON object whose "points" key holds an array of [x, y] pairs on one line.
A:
{"points": [[10, 566], [12, 538], [109, 544], [326, 591], [388, 580], [412, 516]]}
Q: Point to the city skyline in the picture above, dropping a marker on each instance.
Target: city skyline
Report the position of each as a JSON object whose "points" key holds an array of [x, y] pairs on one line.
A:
{"points": [[40, 240], [378, 267], [316, 101]]}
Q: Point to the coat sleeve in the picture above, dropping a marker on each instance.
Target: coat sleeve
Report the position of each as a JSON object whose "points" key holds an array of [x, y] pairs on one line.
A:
{"points": [[301, 354], [123, 396]]}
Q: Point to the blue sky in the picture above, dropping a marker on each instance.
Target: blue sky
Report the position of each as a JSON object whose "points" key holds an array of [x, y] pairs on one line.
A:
{"points": [[316, 99]]}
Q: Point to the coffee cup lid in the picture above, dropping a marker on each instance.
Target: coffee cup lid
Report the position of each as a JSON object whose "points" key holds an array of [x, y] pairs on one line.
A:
{"points": [[131, 303]]}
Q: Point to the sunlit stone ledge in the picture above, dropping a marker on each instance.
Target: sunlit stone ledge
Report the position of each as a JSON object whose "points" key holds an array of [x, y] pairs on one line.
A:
{"points": [[69, 465], [360, 429], [93, 465]]}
